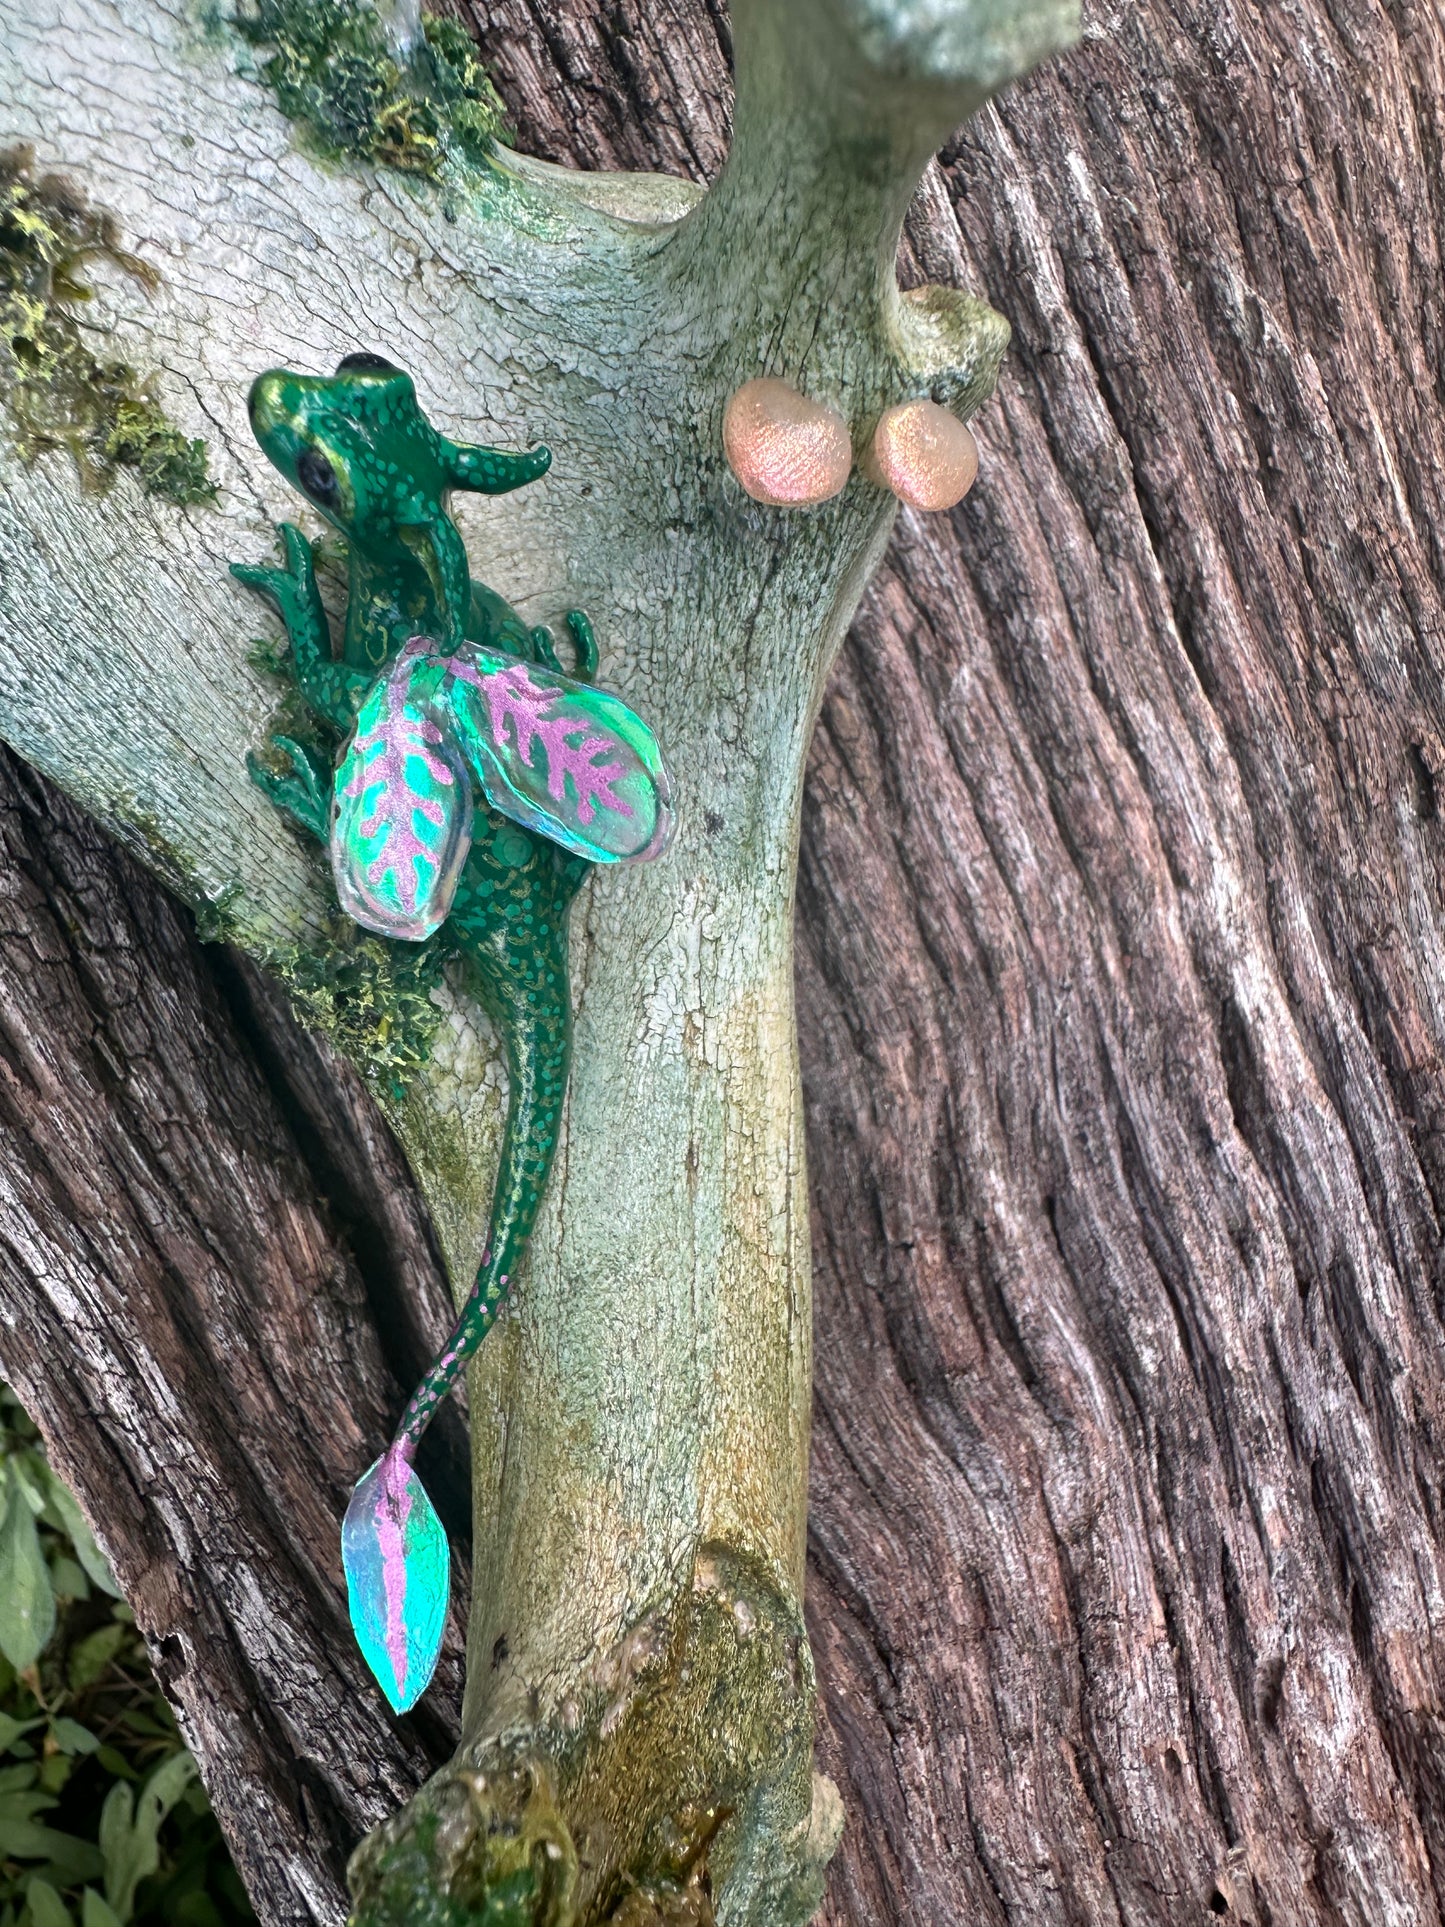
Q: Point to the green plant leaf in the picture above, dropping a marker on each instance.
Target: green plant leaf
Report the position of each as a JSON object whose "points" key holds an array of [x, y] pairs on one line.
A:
{"points": [[68, 1580], [32, 1475], [140, 1722], [90, 1656], [130, 1829], [27, 1604], [62, 1504], [117, 1818], [55, 1770], [72, 1737], [11, 1730], [23, 1803], [47, 1909], [95, 1913], [73, 1860]]}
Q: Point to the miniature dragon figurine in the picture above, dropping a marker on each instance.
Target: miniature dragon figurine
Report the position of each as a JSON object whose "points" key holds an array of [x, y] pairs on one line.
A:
{"points": [[476, 782]]}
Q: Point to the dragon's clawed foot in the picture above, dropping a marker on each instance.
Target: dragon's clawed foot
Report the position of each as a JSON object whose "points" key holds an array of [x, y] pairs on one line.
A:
{"points": [[584, 647], [302, 792], [291, 589], [332, 689], [584, 642]]}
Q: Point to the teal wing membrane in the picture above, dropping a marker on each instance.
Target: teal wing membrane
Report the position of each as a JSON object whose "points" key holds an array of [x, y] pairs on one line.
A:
{"points": [[401, 809], [562, 758]]}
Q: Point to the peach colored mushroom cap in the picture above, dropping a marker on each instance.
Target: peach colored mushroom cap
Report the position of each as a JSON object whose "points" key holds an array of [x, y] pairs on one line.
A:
{"points": [[785, 450], [925, 455]]}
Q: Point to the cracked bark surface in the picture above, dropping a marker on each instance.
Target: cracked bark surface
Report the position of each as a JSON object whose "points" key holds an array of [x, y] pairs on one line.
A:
{"points": [[1119, 984]]}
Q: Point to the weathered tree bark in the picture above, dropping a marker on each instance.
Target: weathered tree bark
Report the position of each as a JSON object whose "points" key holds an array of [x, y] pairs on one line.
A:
{"points": [[1121, 1022]]}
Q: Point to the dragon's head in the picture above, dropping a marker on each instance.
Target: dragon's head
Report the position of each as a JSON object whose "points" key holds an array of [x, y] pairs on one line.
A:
{"points": [[356, 444]]}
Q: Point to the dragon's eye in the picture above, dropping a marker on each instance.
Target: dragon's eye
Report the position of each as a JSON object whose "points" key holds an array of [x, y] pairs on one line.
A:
{"points": [[366, 364], [318, 478]]}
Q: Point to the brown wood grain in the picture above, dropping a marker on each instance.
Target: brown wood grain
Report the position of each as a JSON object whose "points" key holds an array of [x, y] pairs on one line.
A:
{"points": [[1121, 1003], [204, 1228], [1121, 985]]}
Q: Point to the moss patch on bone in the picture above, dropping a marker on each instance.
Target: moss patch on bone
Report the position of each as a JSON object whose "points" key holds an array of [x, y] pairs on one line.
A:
{"points": [[59, 391], [333, 72], [661, 1773], [484, 1847], [371, 999]]}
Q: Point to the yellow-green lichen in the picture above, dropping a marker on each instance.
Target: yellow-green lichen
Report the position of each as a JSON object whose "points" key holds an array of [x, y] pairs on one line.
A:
{"points": [[60, 393], [334, 74]]}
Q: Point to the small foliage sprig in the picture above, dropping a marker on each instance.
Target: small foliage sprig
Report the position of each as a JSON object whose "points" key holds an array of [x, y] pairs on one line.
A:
{"points": [[102, 1819]]}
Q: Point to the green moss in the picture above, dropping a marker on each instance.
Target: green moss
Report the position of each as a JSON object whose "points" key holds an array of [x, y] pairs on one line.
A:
{"points": [[684, 1761], [484, 1850], [334, 74], [372, 999], [169, 464], [59, 393], [678, 1891]]}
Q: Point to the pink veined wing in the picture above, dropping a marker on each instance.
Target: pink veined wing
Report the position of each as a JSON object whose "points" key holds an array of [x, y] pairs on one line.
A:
{"points": [[560, 757], [401, 809]]}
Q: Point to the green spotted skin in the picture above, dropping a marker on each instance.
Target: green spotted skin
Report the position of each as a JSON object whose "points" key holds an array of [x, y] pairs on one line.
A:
{"points": [[357, 445], [510, 914]]}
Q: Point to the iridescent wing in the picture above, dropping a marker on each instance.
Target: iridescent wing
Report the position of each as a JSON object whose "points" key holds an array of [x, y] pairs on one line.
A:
{"points": [[398, 1577], [560, 757], [401, 808]]}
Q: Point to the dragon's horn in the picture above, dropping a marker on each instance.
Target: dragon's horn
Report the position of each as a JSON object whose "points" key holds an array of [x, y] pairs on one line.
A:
{"points": [[493, 471]]}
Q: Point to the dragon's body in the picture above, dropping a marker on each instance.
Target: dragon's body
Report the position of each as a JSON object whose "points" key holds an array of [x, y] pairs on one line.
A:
{"points": [[358, 446]]}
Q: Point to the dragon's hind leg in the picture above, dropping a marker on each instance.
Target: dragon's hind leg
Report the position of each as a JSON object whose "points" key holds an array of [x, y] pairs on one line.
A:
{"points": [[584, 641], [584, 647], [302, 792]]}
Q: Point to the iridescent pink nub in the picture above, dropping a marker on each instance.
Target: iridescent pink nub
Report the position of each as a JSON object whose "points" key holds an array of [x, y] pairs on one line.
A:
{"points": [[786, 450]]}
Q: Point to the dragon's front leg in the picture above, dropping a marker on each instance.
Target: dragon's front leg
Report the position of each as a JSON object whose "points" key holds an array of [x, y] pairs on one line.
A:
{"points": [[333, 690], [301, 787]]}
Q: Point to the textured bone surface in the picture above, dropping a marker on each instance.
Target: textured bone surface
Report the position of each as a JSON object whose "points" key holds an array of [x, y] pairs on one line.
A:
{"points": [[927, 457], [785, 449]]}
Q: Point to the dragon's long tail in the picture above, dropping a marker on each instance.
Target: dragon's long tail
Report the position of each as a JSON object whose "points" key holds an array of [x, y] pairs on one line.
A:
{"points": [[537, 1077], [393, 1545]]}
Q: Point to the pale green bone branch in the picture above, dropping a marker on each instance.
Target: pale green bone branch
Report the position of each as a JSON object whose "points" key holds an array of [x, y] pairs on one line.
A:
{"points": [[639, 1538]]}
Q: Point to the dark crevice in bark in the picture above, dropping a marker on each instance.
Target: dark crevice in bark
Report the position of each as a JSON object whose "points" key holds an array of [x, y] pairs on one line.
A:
{"points": [[385, 1237], [183, 1320]]}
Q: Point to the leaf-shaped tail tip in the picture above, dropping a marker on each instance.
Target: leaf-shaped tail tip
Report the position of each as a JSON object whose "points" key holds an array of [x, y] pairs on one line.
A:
{"points": [[398, 1578]]}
